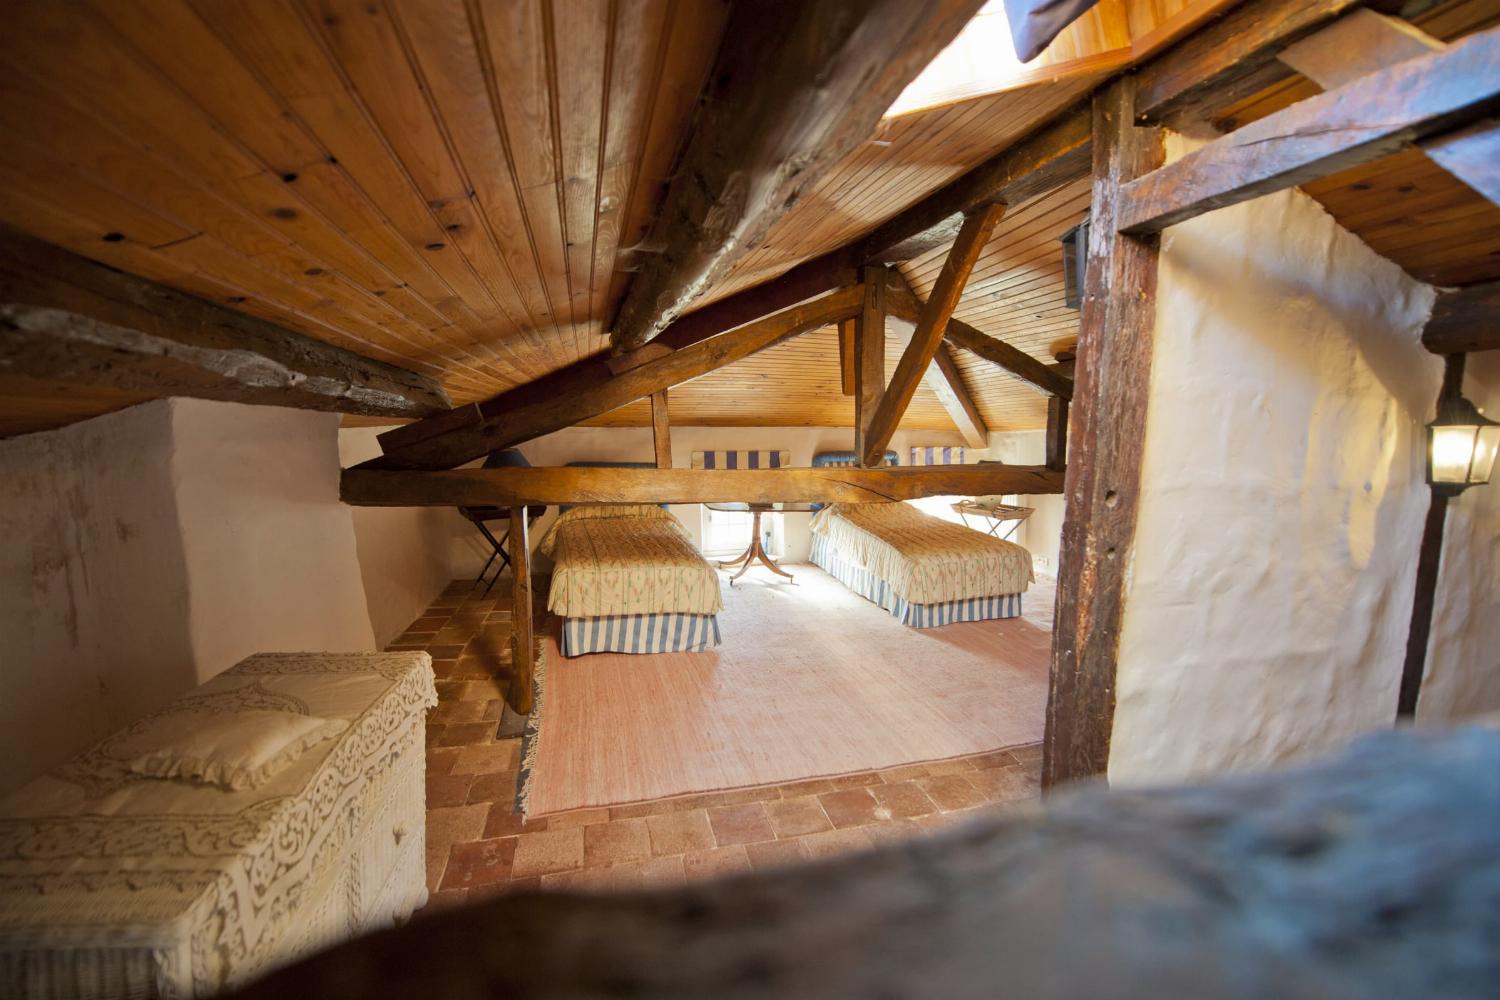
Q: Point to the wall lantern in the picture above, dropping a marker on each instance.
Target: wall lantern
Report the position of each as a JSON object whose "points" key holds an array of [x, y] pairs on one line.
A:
{"points": [[1461, 445]]}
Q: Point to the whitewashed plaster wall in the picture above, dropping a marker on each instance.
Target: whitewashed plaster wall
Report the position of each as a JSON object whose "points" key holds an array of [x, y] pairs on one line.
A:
{"points": [[93, 586], [145, 551], [1041, 533], [1463, 653], [407, 555], [1282, 495], [271, 557]]}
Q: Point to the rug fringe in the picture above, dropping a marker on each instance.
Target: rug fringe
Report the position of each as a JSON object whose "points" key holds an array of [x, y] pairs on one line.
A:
{"points": [[533, 726]]}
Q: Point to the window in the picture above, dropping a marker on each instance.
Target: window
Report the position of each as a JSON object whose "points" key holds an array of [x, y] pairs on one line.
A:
{"points": [[727, 533]]}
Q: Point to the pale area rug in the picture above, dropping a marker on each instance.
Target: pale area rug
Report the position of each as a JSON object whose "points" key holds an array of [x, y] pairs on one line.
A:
{"points": [[811, 681]]}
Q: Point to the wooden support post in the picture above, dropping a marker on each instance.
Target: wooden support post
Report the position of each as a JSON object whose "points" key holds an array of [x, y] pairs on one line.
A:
{"points": [[1116, 330], [846, 356], [932, 324], [1429, 560], [522, 643], [1057, 433], [869, 355], [661, 430]]}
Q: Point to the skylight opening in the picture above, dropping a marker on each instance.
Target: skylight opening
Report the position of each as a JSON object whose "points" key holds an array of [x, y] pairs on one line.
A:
{"points": [[981, 60]]}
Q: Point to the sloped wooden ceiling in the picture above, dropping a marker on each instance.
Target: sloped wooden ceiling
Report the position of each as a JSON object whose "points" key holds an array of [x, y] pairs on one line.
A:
{"points": [[459, 186]]}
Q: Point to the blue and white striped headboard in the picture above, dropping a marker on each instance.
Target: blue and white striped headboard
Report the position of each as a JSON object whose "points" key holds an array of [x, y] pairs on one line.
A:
{"points": [[937, 456], [741, 459]]}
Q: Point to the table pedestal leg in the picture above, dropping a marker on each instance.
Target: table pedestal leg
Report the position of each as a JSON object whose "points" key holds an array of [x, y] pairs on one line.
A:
{"points": [[755, 553]]}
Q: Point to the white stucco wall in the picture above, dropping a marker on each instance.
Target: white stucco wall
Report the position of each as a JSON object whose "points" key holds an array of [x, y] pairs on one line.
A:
{"points": [[1463, 653], [144, 551], [93, 586], [1282, 496], [406, 554]]}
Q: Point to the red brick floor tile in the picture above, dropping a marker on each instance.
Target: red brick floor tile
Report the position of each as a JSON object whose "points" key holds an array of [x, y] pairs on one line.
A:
{"points": [[531, 884], [739, 796], [468, 734], [906, 772], [577, 817], [951, 791], [834, 842], [680, 832], [440, 760], [448, 789], [740, 824], [579, 880], [503, 820], [893, 831], [903, 800], [455, 824], [548, 851], [635, 810], [440, 652], [962, 765], [480, 862], [452, 713], [813, 786], [483, 758], [494, 786], [775, 853], [447, 899], [997, 758], [716, 862], [617, 842], [656, 872], [849, 807], [1006, 784], [860, 780], [796, 817]]}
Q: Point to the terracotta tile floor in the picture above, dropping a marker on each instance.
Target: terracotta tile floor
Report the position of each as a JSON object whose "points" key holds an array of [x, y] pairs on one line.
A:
{"points": [[476, 845]]}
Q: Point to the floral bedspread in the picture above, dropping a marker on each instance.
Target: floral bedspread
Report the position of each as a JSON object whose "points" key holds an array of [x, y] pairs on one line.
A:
{"points": [[926, 560], [629, 560]]}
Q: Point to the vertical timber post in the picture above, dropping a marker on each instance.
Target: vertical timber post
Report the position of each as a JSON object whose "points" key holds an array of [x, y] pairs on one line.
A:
{"points": [[869, 355], [1116, 330], [661, 430]]}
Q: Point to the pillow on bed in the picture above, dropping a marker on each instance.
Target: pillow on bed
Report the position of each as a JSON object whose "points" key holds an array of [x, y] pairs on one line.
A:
{"points": [[235, 751], [618, 510]]}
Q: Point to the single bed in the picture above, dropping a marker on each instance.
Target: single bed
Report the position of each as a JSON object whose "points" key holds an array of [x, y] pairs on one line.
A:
{"points": [[923, 570], [628, 579]]}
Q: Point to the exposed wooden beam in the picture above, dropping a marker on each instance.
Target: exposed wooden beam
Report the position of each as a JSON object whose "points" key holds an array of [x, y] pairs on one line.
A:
{"points": [[1464, 320], [1363, 42], [1116, 331], [1374, 116], [1228, 59], [1055, 154], [483, 429], [846, 356], [869, 354], [661, 430], [903, 302], [543, 485], [1057, 433], [947, 383], [932, 324], [518, 692], [67, 319], [797, 84]]}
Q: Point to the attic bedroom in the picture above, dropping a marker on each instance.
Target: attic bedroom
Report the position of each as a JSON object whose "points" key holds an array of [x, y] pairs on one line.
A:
{"points": [[563, 497]]}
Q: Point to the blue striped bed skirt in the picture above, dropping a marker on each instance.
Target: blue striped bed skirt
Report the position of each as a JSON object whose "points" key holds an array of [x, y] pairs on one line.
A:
{"points": [[660, 633], [876, 589]]}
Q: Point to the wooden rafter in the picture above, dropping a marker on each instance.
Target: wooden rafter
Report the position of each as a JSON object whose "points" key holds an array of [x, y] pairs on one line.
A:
{"points": [[557, 485], [947, 383], [1373, 116], [1116, 333], [1363, 42], [471, 432], [846, 356], [1229, 59], [1057, 433], [932, 323], [518, 692], [1463, 320], [67, 319], [904, 303], [796, 86]]}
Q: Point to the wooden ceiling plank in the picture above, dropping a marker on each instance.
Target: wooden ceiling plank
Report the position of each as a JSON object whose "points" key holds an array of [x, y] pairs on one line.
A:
{"points": [[68, 319], [1374, 116], [559, 485], [474, 431], [1463, 320], [801, 83], [932, 323]]}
